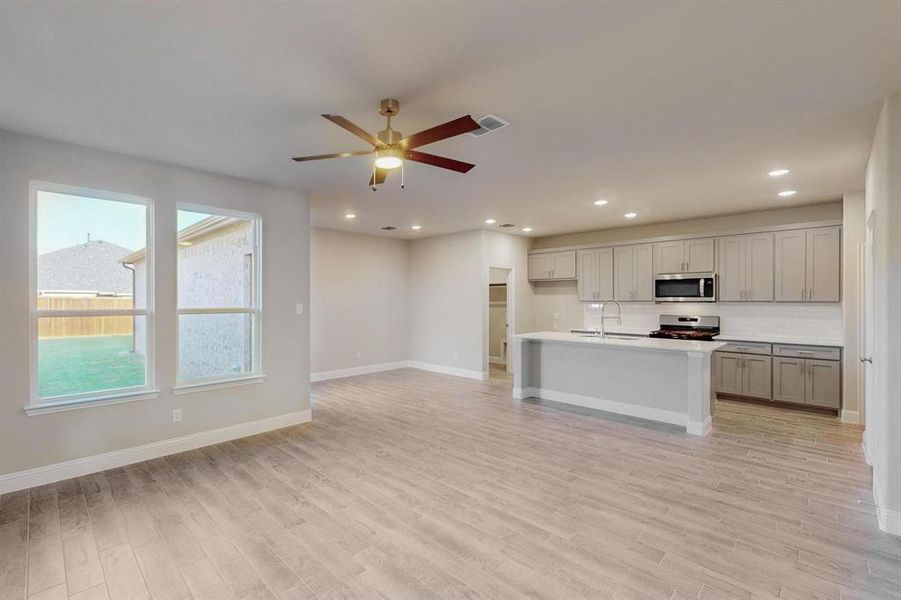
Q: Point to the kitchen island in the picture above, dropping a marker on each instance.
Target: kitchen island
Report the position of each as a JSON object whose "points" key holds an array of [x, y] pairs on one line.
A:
{"points": [[657, 379]]}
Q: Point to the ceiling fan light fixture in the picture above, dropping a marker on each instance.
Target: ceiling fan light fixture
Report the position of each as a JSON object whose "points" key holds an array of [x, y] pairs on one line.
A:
{"points": [[388, 158]]}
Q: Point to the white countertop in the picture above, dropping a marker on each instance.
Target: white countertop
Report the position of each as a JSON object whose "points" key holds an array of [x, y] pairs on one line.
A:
{"points": [[799, 340], [638, 343]]}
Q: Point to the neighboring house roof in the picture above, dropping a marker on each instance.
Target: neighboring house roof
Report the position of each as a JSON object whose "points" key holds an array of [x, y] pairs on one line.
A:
{"points": [[207, 228], [92, 266]]}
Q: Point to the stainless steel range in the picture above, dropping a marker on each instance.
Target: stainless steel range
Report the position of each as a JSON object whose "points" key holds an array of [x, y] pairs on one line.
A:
{"points": [[677, 327]]}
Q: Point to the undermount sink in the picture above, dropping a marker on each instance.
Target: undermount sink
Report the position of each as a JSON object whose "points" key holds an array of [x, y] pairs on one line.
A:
{"points": [[610, 336]]}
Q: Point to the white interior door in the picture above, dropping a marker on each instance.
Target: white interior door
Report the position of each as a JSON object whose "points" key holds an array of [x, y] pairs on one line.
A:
{"points": [[869, 371]]}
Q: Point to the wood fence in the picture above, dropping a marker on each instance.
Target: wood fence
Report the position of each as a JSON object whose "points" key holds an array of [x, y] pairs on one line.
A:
{"points": [[84, 326]]}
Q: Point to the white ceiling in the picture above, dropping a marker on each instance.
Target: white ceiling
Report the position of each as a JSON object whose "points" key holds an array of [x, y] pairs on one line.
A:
{"points": [[671, 109]]}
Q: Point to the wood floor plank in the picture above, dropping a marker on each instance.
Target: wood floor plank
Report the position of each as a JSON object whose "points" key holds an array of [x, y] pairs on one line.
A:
{"points": [[83, 568], [124, 580]]}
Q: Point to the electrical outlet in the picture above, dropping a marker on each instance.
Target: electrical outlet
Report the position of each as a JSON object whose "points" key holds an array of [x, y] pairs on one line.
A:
{"points": [[299, 308], [359, 355], [456, 355], [176, 415]]}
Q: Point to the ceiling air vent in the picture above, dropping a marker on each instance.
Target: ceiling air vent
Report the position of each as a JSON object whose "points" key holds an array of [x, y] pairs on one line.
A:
{"points": [[389, 228], [488, 124], [506, 225]]}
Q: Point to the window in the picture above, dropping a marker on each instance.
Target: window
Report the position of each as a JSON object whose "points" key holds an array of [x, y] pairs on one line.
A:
{"points": [[218, 296], [91, 282]]}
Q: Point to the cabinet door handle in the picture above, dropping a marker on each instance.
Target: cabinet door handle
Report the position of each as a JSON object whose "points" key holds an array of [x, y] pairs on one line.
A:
{"points": [[749, 295]]}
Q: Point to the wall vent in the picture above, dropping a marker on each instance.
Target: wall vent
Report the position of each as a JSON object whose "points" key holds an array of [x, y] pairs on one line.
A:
{"points": [[488, 124], [389, 228]]}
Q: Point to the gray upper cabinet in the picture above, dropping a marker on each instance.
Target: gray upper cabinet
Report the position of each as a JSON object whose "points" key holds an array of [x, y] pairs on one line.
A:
{"points": [[595, 275], [552, 265], [684, 256], [669, 257], [808, 265], [745, 268], [824, 256], [633, 273]]}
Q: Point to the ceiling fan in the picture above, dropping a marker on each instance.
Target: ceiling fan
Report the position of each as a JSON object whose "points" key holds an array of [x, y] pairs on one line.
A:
{"points": [[391, 150]]}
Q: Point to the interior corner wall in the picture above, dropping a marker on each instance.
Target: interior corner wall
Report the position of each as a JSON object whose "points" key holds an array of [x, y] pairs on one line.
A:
{"points": [[447, 300], [883, 414], [853, 235], [358, 301], [34, 441]]}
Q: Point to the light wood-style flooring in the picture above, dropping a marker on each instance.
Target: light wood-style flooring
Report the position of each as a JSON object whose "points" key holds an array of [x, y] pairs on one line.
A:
{"points": [[415, 485]]}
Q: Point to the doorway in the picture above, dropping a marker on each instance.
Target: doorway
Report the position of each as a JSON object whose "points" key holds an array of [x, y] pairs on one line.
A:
{"points": [[500, 315]]}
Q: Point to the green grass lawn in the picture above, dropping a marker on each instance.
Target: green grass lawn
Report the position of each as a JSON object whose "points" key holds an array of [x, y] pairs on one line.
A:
{"points": [[75, 365]]}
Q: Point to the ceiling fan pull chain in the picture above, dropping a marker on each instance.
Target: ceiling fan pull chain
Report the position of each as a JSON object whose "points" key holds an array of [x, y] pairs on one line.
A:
{"points": [[374, 180], [401, 175]]}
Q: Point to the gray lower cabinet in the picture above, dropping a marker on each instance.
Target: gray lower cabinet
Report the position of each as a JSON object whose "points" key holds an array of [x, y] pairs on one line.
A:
{"points": [[728, 373], [807, 381], [748, 375], [757, 376], [823, 383], [788, 379]]}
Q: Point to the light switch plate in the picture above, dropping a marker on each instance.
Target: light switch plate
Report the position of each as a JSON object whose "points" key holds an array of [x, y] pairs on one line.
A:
{"points": [[299, 308]]}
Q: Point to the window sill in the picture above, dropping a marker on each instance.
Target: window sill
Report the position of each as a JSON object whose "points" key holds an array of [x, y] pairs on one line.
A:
{"points": [[190, 388], [67, 405]]}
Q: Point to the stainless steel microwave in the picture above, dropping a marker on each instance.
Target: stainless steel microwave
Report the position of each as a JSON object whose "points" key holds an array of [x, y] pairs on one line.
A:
{"points": [[685, 287]]}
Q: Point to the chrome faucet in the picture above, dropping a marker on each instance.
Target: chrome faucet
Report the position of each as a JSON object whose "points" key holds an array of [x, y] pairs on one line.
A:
{"points": [[618, 316]]}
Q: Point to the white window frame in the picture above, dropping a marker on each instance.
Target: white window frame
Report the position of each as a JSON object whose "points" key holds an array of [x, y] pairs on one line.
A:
{"points": [[37, 405], [256, 374]]}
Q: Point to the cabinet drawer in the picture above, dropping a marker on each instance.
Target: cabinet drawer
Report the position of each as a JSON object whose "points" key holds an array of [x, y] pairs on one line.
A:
{"points": [[818, 352], [747, 348]]}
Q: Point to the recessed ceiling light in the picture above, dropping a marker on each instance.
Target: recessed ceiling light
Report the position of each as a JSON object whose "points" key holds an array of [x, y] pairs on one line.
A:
{"points": [[600, 202], [490, 221], [527, 229], [787, 193], [350, 216], [415, 227], [778, 172], [631, 215]]}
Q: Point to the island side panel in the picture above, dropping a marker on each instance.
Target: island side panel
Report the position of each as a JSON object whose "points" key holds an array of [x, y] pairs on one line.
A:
{"points": [[700, 394], [520, 354], [637, 382]]}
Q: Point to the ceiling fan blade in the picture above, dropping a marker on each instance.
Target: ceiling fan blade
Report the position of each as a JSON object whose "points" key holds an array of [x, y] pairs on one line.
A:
{"points": [[379, 179], [440, 132], [334, 155], [355, 129], [438, 161]]}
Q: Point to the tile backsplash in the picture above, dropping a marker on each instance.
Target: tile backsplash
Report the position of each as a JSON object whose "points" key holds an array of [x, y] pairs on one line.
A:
{"points": [[821, 321]]}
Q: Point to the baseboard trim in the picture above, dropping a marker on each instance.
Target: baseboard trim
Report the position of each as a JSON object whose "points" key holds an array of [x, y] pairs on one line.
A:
{"points": [[889, 520], [29, 478], [354, 371], [456, 372], [851, 417], [620, 408], [699, 428]]}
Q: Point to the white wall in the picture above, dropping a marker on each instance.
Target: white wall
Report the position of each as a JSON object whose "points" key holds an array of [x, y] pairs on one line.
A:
{"points": [[32, 441], [883, 409], [358, 303], [853, 234], [448, 302]]}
